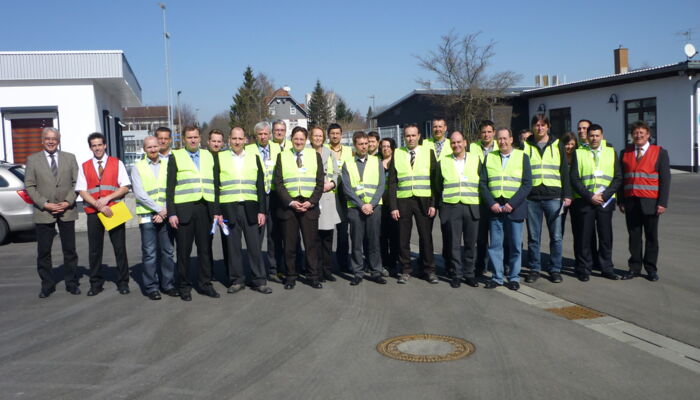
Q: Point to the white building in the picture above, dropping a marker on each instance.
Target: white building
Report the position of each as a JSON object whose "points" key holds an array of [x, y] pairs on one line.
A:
{"points": [[78, 92], [666, 97]]}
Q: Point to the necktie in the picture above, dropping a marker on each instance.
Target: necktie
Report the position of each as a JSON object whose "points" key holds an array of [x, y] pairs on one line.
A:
{"points": [[438, 148], [299, 163], [595, 157], [639, 153], [413, 157], [54, 167], [266, 155], [100, 170]]}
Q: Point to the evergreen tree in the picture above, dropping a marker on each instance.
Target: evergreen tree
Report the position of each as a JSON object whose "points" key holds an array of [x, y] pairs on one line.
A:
{"points": [[247, 108], [342, 112], [319, 110]]}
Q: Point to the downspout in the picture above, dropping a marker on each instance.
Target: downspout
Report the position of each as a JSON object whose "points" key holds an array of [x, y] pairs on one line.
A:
{"points": [[696, 121]]}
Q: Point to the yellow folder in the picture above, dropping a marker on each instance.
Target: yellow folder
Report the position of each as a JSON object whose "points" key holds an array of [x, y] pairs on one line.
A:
{"points": [[120, 214]]}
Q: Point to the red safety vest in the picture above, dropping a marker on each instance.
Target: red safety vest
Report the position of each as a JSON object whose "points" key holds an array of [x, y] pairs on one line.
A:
{"points": [[101, 187], [641, 179]]}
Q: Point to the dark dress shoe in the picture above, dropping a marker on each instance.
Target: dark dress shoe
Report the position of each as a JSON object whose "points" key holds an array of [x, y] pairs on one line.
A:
{"points": [[235, 288], [584, 277], [611, 275], [455, 283], [555, 277], [433, 279], [378, 279], [289, 285], [154, 295], [209, 291], [329, 277], [172, 292], [94, 291], [532, 277], [513, 285], [492, 285], [471, 282], [355, 281], [123, 290], [185, 296], [316, 285], [44, 293], [653, 277], [74, 290], [264, 289], [629, 275]]}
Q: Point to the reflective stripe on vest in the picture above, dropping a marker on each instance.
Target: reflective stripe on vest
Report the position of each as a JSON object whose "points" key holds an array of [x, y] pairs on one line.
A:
{"points": [[236, 185], [269, 167], [193, 184], [412, 181], [504, 182], [152, 185], [105, 186], [641, 179], [545, 167], [365, 186], [460, 189], [299, 181], [592, 180]]}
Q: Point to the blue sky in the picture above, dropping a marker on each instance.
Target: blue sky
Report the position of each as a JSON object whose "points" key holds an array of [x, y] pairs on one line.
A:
{"points": [[356, 48]]}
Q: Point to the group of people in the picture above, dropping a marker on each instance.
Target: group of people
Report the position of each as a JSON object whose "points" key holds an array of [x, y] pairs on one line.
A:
{"points": [[369, 195]]}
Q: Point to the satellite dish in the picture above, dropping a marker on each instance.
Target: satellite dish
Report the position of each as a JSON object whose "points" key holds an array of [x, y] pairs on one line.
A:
{"points": [[690, 51]]}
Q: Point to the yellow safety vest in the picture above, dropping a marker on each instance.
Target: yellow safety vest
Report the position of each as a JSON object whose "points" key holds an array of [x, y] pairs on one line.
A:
{"points": [[462, 188], [299, 181], [479, 151], [193, 184], [504, 182], [595, 177], [268, 167], [365, 186], [413, 181], [545, 168], [152, 185], [345, 156], [236, 185], [446, 148]]}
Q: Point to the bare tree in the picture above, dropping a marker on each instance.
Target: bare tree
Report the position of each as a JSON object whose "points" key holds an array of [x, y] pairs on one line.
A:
{"points": [[188, 116], [460, 65]]}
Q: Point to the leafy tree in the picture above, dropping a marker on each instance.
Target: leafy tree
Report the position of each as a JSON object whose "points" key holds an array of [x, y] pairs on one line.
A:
{"points": [[319, 110], [460, 65], [248, 104]]}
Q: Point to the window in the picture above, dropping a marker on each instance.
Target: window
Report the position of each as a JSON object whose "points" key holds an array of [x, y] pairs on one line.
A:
{"points": [[640, 110], [271, 109], [292, 110], [560, 119]]}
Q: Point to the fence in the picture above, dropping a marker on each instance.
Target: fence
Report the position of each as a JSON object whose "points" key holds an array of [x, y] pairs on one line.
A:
{"points": [[393, 131]]}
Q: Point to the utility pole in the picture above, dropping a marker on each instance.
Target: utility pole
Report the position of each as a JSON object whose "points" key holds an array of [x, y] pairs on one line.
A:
{"points": [[166, 42], [373, 111], [179, 112]]}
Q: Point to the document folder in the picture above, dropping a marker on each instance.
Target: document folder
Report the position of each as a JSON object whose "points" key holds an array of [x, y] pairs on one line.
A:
{"points": [[120, 214]]}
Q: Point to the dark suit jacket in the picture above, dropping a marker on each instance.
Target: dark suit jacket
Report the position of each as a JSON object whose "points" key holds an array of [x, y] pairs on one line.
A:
{"points": [[580, 188], [518, 200], [252, 208], [473, 208], [283, 198], [663, 166], [44, 188], [182, 210], [425, 202]]}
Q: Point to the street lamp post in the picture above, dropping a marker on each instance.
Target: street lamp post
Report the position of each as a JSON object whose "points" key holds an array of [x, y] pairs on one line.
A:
{"points": [[179, 112], [373, 111], [166, 37]]}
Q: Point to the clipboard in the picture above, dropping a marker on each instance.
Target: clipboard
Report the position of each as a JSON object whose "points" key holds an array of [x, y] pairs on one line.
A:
{"points": [[120, 214]]}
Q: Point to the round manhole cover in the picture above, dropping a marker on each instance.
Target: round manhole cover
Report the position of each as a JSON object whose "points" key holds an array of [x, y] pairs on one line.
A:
{"points": [[425, 348]]}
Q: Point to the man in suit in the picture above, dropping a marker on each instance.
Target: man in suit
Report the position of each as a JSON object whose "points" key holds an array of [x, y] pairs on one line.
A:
{"points": [[644, 198], [49, 179], [189, 198], [506, 180], [299, 178], [412, 192], [102, 182], [458, 182], [148, 179], [239, 181], [595, 177]]}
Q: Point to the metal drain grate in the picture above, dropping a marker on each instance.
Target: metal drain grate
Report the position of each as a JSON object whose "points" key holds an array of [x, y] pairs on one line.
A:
{"points": [[425, 348], [576, 312]]}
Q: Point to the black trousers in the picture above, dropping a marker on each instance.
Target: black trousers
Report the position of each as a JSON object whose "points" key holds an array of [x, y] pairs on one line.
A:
{"points": [[636, 223], [117, 236], [44, 241], [325, 253], [593, 219], [389, 239], [482, 243], [274, 235], [197, 230], [410, 208], [309, 233], [342, 247], [238, 228], [457, 221]]}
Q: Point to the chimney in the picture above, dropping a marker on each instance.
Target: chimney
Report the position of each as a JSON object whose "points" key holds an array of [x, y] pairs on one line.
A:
{"points": [[621, 60], [545, 80]]}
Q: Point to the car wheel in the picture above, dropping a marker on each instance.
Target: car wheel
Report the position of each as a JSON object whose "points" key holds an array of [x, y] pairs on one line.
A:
{"points": [[4, 231]]}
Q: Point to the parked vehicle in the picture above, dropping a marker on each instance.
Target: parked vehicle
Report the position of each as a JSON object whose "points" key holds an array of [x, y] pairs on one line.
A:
{"points": [[15, 203]]}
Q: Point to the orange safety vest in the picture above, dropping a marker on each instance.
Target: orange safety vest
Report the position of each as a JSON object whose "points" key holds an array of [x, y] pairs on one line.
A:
{"points": [[101, 187], [641, 179]]}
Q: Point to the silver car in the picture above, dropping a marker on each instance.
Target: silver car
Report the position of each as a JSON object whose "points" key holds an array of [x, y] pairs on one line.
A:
{"points": [[15, 203]]}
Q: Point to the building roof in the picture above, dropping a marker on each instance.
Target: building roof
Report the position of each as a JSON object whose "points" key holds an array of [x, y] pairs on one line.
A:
{"points": [[682, 68], [283, 94], [109, 68], [146, 112]]}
